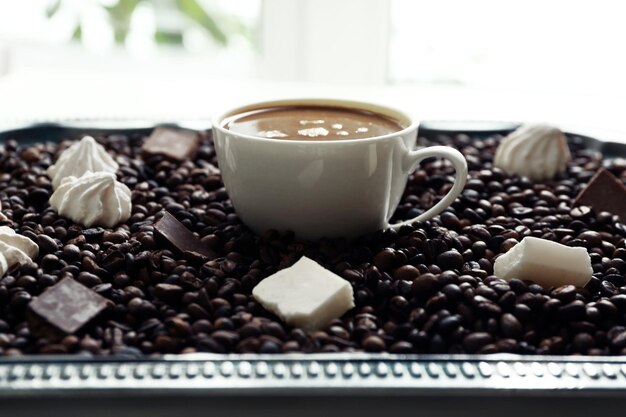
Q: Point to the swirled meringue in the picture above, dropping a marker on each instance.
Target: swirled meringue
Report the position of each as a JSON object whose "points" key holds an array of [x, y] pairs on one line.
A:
{"points": [[537, 151], [86, 155], [15, 249], [95, 198]]}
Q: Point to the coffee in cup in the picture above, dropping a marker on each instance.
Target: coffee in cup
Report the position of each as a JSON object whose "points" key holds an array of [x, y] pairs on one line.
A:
{"points": [[286, 166], [312, 123]]}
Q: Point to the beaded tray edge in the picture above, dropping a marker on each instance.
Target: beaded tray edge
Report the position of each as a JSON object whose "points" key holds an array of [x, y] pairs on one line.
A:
{"points": [[286, 374]]}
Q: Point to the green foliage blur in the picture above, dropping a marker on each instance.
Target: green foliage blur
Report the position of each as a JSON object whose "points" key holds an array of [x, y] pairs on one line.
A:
{"points": [[217, 26]]}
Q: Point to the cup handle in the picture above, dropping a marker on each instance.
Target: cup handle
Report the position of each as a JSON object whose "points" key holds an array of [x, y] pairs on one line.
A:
{"points": [[414, 157]]}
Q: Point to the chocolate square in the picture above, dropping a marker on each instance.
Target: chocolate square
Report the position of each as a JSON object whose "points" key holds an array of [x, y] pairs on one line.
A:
{"points": [[604, 192], [68, 305], [181, 238], [173, 143]]}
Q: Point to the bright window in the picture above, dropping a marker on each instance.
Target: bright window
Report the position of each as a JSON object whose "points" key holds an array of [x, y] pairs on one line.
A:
{"points": [[549, 60], [564, 45]]}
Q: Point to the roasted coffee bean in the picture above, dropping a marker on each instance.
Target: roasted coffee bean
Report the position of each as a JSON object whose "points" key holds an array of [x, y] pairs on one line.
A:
{"points": [[566, 293], [434, 275], [202, 326], [435, 303], [479, 233], [518, 286], [448, 325], [401, 347], [510, 326], [607, 309], [88, 280], [450, 220], [452, 292], [399, 306], [607, 289], [178, 327], [168, 292], [473, 342], [373, 344], [486, 292], [451, 259], [269, 346], [226, 338], [593, 314], [618, 341], [592, 238], [46, 244], [274, 329], [93, 234], [479, 248], [141, 308], [617, 280], [224, 323], [581, 212], [19, 300], [573, 311], [406, 272], [385, 259], [521, 212], [424, 285], [488, 309], [26, 281], [51, 262], [114, 237], [71, 252], [619, 301]]}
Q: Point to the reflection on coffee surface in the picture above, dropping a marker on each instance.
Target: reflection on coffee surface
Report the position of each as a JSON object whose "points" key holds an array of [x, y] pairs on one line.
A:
{"points": [[313, 123]]}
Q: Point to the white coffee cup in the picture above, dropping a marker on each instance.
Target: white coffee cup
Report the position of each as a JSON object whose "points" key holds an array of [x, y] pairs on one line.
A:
{"points": [[341, 188]]}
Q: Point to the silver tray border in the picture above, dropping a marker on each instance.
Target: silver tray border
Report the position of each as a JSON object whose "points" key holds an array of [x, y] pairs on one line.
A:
{"points": [[315, 374]]}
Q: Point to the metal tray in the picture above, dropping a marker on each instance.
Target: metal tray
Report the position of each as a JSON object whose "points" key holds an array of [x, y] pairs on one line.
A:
{"points": [[308, 384]]}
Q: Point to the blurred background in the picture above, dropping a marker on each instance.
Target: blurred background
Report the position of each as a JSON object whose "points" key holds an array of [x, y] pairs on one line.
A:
{"points": [[559, 61]]}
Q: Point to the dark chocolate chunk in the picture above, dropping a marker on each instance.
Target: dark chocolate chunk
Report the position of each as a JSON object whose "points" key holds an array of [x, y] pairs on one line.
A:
{"points": [[604, 192], [174, 143], [68, 305], [180, 237]]}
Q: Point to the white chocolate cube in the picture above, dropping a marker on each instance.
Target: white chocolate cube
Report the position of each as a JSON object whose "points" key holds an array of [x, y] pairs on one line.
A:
{"points": [[547, 263], [305, 295]]}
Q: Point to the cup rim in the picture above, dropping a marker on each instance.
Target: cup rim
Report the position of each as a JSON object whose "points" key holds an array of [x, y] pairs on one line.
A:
{"points": [[364, 105]]}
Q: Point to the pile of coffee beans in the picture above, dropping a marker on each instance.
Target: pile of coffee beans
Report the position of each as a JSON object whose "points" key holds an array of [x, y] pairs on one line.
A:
{"points": [[427, 288]]}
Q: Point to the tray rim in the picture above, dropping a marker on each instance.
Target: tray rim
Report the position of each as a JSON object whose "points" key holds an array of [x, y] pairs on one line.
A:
{"points": [[316, 375], [310, 374]]}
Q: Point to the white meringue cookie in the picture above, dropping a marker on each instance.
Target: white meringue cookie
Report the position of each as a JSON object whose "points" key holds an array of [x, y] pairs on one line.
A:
{"points": [[536, 151], [87, 155], [95, 198], [15, 249]]}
